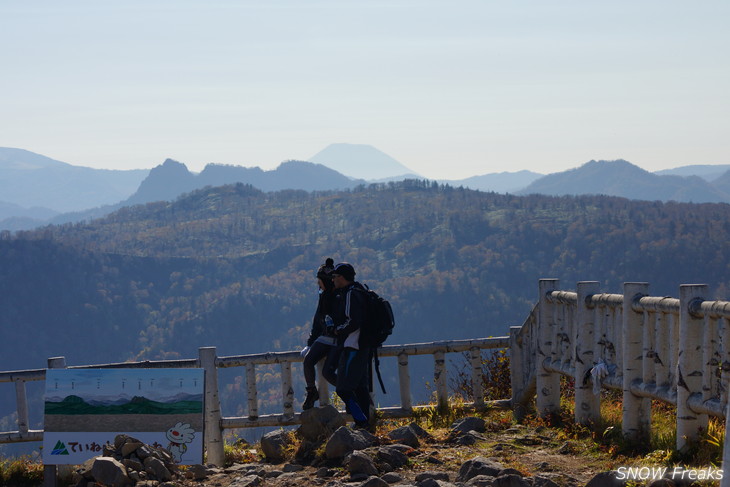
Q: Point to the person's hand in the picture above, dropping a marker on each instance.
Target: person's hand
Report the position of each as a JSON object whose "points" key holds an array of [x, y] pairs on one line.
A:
{"points": [[304, 351]]}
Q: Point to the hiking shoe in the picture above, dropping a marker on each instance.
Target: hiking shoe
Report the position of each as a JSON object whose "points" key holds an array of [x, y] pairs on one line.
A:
{"points": [[312, 397], [364, 425]]}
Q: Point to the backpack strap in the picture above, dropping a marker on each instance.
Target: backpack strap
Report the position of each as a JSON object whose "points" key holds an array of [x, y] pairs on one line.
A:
{"points": [[377, 368]]}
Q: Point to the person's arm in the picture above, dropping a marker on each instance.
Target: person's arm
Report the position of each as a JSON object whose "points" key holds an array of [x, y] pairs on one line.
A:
{"points": [[354, 312], [317, 324]]}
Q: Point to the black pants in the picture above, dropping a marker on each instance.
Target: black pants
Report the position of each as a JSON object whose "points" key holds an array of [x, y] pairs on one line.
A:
{"points": [[317, 352], [353, 380]]}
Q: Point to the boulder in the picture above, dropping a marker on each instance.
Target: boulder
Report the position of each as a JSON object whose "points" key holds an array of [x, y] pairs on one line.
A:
{"points": [[478, 466], [319, 423], [392, 478], [359, 462], [467, 424], [469, 438], [247, 481], [108, 471], [480, 481], [606, 479], [511, 480], [345, 440], [274, 443], [196, 472], [156, 468], [434, 483], [374, 482], [539, 481], [392, 456], [420, 432], [432, 475], [405, 435]]}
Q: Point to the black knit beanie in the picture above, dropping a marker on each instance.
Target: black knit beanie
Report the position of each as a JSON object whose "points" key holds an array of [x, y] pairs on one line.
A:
{"points": [[324, 271]]}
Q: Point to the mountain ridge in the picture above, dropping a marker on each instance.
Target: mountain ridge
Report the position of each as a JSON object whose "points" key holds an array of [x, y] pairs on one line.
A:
{"points": [[21, 169], [624, 179], [31, 180], [362, 161]]}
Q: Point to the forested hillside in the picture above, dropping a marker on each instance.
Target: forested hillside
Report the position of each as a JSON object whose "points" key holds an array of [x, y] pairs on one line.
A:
{"points": [[165, 278], [233, 267]]}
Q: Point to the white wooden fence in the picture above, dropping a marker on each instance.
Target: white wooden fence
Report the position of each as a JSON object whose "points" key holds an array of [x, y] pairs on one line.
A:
{"points": [[215, 423], [668, 349]]}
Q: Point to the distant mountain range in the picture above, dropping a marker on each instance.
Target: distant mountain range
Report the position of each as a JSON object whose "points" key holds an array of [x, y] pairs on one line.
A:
{"points": [[75, 405], [172, 178], [705, 171], [621, 178], [33, 181], [36, 190], [115, 400]]}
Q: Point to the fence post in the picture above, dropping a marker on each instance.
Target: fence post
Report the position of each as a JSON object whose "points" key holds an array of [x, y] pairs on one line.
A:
{"points": [[287, 391], [547, 383], [587, 404], [477, 377], [661, 350], [439, 375], [213, 433], [516, 370], [404, 380], [636, 411], [725, 482], [690, 367], [50, 472], [22, 400], [253, 400]]}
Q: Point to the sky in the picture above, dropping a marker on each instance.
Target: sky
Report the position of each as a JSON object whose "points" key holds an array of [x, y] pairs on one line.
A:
{"points": [[153, 384], [450, 88]]}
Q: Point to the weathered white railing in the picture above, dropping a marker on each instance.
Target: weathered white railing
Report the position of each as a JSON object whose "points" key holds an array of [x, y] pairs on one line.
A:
{"points": [[215, 423], [673, 350]]}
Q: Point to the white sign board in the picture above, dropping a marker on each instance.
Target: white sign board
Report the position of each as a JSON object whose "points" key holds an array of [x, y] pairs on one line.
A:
{"points": [[86, 408]]}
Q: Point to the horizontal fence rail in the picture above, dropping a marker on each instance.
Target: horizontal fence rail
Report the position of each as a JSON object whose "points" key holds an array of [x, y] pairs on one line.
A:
{"points": [[215, 423]]}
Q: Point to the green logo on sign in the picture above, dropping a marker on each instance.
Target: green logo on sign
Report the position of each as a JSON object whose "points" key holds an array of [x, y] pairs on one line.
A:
{"points": [[59, 449]]}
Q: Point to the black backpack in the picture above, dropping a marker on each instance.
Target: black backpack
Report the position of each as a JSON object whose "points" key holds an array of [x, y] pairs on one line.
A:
{"points": [[379, 321], [379, 324]]}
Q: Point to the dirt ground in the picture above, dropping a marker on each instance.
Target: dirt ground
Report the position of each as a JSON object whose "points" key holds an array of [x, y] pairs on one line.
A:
{"points": [[535, 451]]}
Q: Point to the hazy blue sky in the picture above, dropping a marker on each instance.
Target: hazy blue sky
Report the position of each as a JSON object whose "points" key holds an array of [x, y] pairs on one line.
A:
{"points": [[449, 88]]}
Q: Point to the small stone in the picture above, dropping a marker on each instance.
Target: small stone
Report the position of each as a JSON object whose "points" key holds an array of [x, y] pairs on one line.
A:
{"points": [[392, 478], [470, 423], [606, 479], [130, 447], [247, 481], [324, 472], [374, 482], [432, 475]]}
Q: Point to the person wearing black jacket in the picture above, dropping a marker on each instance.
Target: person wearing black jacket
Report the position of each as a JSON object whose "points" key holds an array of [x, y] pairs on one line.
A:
{"points": [[322, 342], [354, 362]]}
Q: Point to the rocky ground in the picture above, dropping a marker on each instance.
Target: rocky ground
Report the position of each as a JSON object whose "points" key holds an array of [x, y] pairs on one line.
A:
{"points": [[472, 451]]}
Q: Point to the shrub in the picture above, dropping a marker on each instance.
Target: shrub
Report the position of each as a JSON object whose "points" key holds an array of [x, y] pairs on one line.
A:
{"points": [[496, 382], [21, 472]]}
